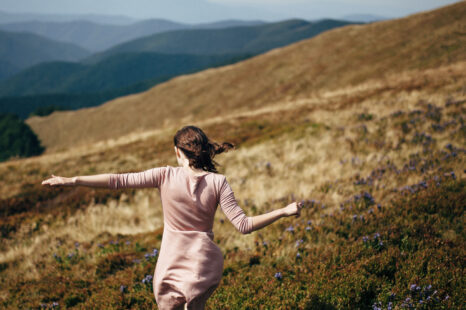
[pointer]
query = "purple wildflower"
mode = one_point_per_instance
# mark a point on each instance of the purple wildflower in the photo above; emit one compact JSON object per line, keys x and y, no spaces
{"x":122,"y":288}
{"x":298,"y":243}
{"x":278,"y":275}
{"x":290,"y":228}
{"x":147,"y":279}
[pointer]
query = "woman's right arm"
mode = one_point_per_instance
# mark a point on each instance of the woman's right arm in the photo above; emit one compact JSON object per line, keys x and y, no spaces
{"x":148,"y":178}
{"x":98,"y":180}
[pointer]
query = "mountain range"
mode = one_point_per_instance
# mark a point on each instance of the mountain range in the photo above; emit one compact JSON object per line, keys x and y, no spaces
{"x":22,"y":50}
{"x":12,"y":17}
{"x":140,"y":64}
{"x":338,"y":58}
{"x":96,"y":37}
{"x":243,"y":40}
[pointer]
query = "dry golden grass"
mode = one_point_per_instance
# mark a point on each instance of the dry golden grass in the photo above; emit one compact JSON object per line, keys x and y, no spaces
{"x":335,"y":59}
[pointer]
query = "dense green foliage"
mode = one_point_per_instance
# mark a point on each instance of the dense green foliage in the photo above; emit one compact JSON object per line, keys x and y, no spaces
{"x":235,"y":40}
{"x":46,"y":110}
{"x":17,"y":138}
{"x":22,"y":50}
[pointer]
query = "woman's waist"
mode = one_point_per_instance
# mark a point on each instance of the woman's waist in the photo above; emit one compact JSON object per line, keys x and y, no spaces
{"x":188,"y":231}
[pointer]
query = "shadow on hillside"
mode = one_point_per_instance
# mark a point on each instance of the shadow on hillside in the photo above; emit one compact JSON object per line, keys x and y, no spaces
{"x":316,"y":303}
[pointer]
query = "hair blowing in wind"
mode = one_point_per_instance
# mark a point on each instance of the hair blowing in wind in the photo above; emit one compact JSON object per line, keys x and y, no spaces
{"x":198,"y":148}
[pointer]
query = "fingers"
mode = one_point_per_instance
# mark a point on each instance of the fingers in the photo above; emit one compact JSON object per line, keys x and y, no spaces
{"x":299,"y":205}
{"x":51,"y":181}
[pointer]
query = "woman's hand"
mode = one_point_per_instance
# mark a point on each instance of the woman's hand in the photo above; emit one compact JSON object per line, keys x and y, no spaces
{"x":59,"y":181}
{"x":293,"y":209}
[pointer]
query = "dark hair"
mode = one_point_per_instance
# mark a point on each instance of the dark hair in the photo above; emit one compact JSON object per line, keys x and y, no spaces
{"x":199,"y":150}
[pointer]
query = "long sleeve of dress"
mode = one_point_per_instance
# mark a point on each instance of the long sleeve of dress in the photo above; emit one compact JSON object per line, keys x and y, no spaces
{"x":148,"y":178}
{"x":232,"y":210}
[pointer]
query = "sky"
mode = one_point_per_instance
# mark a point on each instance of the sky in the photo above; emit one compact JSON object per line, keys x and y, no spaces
{"x":197,"y":11}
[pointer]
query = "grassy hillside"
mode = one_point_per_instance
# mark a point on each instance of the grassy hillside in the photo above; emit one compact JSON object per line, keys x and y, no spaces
{"x":22,"y":50}
{"x":381,"y":170}
{"x":112,"y":73}
{"x":342,"y":57}
{"x":235,"y":40}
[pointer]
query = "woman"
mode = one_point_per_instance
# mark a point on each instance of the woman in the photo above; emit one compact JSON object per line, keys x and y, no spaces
{"x":190,"y":264}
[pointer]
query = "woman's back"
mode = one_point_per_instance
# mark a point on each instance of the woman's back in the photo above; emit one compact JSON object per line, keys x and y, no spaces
{"x":189,"y":201}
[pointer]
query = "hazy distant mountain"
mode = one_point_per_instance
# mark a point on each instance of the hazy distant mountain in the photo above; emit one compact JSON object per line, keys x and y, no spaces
{"x":228,"y":24}
{"x":8,"y":17}
{"x":74,"y":86}
{"x":363,"y":18}
{"x":22,"y":50}
{"x":114,"y":72}
{"x":235,"y":40}
{"x":93,"y":36}
{"x":173,"y":53}
{"x":98,"y":37}
{"x":7,"y":69}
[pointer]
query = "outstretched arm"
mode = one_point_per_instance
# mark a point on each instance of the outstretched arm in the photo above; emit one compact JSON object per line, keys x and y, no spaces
{"x":98,"y":180}
{"x":148,"y":178}
{"x":247,"y":224}
{"x":260,"y":221}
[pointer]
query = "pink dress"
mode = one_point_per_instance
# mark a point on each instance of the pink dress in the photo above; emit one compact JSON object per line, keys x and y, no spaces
{"x":190,"y":265}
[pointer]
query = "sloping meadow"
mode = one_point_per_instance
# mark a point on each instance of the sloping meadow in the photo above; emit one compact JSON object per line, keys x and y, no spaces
{"x":380,"y":168}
